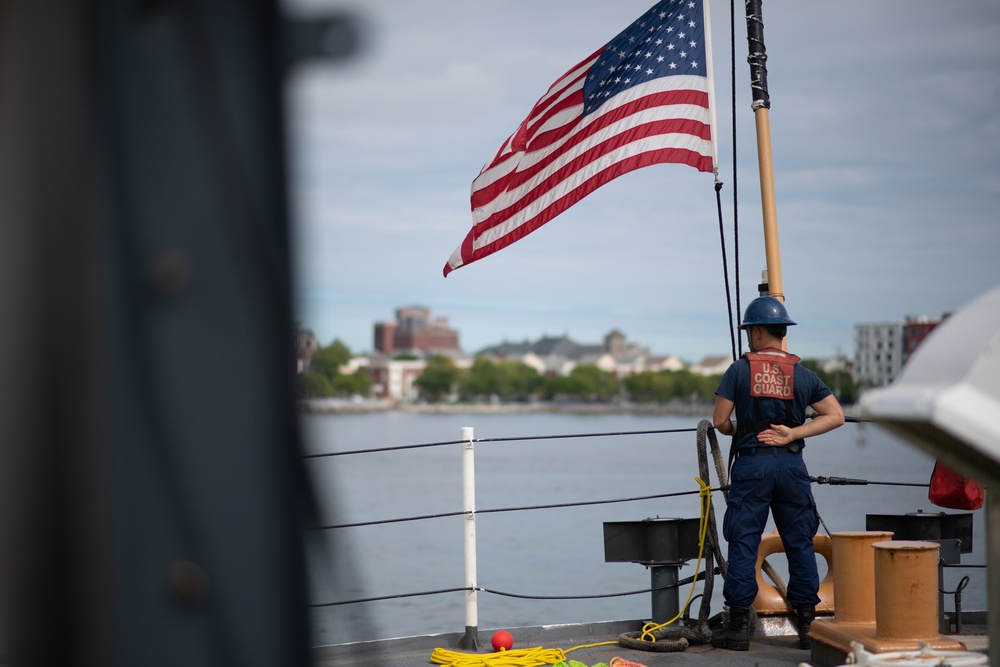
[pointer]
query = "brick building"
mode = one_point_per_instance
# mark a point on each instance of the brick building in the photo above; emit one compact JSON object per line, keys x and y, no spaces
{"x":415,"y":332}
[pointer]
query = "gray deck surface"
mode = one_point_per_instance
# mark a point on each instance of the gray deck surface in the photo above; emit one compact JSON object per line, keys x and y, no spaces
{"x":413,"y":651}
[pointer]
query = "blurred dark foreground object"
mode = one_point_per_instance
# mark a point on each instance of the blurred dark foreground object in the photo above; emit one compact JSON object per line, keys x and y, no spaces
{"x":153,"y":500}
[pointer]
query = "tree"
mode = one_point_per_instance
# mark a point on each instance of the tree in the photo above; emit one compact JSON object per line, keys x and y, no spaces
{"x":438,"y":379}
{"x":358,"y":382}
{"x":840,"y":382}
{"x":325,"y":379}
{"x":314,"y":385}
{"x":649,"y":387}
{"x":666,"y":386}
{"x":481,"y":381}
{"x":586,"y":382}
{"x":508,"y":380}
{"x":328,"y":360}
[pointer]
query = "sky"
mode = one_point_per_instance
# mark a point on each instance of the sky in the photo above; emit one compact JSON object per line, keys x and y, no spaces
{"x":885,"y":137}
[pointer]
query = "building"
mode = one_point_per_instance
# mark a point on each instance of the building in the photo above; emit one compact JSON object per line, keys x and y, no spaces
{"x":917,"y":329}
{"x":393,"y":378}
{"x":878,"y":353}
{"x":306,"y":346}
{"x":558,"y":355}
{"x":414,"y":332}
{"x":714,"y":365}
{"x":881,"y":349}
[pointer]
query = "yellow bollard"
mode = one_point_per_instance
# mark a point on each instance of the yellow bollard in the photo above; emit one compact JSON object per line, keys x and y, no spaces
{"x":854,"y":575}
{"x":906,"y":583}
{"x":886,"y":597}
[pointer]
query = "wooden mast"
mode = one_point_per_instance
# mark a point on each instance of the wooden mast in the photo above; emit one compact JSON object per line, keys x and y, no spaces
{"x":761,"y":105}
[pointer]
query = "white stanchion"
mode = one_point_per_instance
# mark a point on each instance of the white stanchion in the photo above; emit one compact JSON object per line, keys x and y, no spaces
{"x":469,"y":507}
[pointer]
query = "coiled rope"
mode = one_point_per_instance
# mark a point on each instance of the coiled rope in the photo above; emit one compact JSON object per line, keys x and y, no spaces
{"x":524,"y":657}
{"x":527,"y":657}
{"x":665,"y":637}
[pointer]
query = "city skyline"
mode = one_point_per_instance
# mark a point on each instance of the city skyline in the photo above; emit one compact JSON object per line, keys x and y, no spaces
{"x":884,"y":122}
{"x":372,"y":346}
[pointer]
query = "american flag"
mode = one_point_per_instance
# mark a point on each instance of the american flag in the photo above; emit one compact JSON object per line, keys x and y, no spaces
{"x":640,"y":100}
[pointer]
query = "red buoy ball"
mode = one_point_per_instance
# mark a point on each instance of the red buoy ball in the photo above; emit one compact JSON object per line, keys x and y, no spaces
{"x":502,"y":641}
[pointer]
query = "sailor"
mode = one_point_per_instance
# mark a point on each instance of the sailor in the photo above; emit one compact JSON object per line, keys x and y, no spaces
{"x":769,"y":391}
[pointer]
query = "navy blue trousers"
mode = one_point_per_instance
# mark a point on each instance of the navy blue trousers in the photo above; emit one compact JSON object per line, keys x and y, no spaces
{"x":779,"y":483}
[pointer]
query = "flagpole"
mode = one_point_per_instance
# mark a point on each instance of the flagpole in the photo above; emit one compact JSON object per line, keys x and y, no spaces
{"x":710,"y":70}
{"x":761,"y":105}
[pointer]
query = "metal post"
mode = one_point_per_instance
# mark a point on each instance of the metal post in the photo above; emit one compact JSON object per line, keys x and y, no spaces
{"x":666,"y":602}
{"x":761,"y":104}
{"x":992,"y":574}
{"x":471,"y":641}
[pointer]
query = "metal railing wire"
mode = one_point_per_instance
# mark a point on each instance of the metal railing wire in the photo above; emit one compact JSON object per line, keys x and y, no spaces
{"x":833,"y":481}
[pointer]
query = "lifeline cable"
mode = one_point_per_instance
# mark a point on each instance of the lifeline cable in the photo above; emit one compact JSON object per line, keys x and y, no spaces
{"x":520,"y":596}
{"x":496,"y":510}
{"x":396,"y":448}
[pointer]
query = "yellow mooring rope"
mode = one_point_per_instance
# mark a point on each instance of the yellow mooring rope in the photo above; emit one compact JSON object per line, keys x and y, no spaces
{"x":538,"y":656}
{"x":705,"y":498}
{"x":522,"y":657}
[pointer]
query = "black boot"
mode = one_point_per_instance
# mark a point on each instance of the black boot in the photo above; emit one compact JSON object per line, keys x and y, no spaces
{"x":806,"y":615}
{"x":736,"y":635}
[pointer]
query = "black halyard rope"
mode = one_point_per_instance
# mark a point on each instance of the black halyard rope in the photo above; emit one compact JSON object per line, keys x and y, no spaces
{"x":725,"y":268}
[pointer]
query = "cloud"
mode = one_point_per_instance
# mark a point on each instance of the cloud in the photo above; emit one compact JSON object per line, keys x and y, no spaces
{"x":885,"y":119}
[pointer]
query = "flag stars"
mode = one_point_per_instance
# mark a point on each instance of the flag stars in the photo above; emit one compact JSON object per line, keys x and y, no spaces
{"x":642,"y":50}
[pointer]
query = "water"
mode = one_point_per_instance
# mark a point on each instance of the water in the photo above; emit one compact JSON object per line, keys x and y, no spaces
{"x":554,"y":552}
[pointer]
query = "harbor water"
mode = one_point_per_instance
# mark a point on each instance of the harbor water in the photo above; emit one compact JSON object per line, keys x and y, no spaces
{"x":550,"y":553}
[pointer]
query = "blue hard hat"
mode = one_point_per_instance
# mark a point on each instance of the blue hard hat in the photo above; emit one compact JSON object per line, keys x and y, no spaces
{"x":765,"y":310}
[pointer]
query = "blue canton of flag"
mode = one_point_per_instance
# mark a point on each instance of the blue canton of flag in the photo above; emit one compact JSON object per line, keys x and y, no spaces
{"x":668,"y":40}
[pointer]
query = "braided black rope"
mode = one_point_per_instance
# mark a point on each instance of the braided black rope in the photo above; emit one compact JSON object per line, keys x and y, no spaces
{"x":676,"y":638}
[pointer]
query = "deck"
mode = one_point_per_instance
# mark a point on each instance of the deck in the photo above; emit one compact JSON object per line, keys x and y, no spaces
{"x":776,"y":649}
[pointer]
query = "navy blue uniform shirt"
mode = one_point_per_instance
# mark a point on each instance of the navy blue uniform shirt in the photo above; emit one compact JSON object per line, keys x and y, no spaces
{"x":735,"y":386}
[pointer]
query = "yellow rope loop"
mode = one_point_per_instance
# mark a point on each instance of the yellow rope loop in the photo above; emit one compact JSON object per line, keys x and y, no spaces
{"x":577,"y":648}
{"x":527,"y":657}
{"x":705,"y":498}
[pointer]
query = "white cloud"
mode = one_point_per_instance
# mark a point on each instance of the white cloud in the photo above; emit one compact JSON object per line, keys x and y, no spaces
{"x":885,"y":120}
